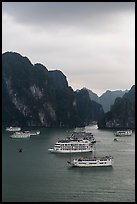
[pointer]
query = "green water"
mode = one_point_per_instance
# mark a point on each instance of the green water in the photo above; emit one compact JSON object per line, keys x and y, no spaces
{"x":36,"y":175}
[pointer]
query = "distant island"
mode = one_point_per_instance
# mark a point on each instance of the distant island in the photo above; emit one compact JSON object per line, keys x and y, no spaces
{"x":106,"y":99}
{"x":34,"y":96}
{"x":121,"y":114}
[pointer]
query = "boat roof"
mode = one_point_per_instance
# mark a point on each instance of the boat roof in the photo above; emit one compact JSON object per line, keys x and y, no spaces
{"x":94,"y":158}
{"x":123,"y":130}
{"x":73,"y":141}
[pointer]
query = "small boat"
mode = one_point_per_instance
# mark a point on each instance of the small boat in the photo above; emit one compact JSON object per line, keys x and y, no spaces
{"x":20,"y":150}
{"x":123,"y":133}
{"x":104,"y":161}
{"x":14,"y":129}
{"x":115,"y":139}
{"x":37,"y":132}
{"x":18,"y":135}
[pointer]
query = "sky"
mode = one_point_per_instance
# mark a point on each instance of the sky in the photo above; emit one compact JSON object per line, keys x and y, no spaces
{"x":92,"y":43}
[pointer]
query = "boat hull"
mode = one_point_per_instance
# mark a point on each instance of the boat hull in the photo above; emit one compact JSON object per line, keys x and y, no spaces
{"x":122,"y":135}
{"x":19,"y":137}
{"x":68,"y":151}
{"x":91,"y":165}
{"x":33,"y":133}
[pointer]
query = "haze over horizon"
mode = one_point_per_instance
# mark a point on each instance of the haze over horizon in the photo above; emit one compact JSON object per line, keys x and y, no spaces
{"x":92,"y":43}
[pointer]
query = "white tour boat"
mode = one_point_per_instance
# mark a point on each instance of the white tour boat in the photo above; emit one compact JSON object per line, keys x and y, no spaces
{"x":92,"y":162}
{"x":20,"y":135}
{"x":14,"y":129}
{"x":72,"y":146}
{"x":123,"y":133}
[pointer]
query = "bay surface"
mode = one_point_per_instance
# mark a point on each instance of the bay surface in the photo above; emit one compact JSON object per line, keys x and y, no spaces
{"x":36,"y":175}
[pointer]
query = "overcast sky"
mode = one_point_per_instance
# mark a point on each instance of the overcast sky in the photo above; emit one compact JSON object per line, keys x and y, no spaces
{"x":92,"y":43}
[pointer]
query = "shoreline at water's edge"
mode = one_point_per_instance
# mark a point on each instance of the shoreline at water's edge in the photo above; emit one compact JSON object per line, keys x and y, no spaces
{"x":112,"y":128}
{"x":100,"y":128}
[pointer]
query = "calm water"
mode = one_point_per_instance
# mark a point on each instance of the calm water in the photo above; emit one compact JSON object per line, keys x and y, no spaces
{"x":37,"y":175}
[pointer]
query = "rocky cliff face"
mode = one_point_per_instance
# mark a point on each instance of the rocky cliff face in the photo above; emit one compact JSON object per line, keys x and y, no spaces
{"x":34,"y":96}
{"x":122,"y":113}
{"x":89,"y":110}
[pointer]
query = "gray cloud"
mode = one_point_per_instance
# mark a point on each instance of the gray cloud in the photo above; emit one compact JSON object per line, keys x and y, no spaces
{"x":92,"y":43}
{"x":91,"y":16}
{"x":61,"y":11}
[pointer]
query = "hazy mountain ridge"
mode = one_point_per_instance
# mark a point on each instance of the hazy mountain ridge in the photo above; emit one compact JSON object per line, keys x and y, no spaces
{"x":106,"y":99}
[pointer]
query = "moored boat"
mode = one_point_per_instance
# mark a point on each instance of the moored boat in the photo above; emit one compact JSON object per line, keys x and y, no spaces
{"x":123,"y":133}
{"x":14,"y":129}
{"x":36,"y":132}
{"x":104,"y":161}
{"x":71,"y":146}
{"x":17,"y":135}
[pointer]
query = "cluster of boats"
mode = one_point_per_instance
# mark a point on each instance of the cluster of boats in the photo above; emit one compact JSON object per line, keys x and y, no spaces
{"x":21,"y":134}
{"x":77,"y":142}
{"x":81,"y":142}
